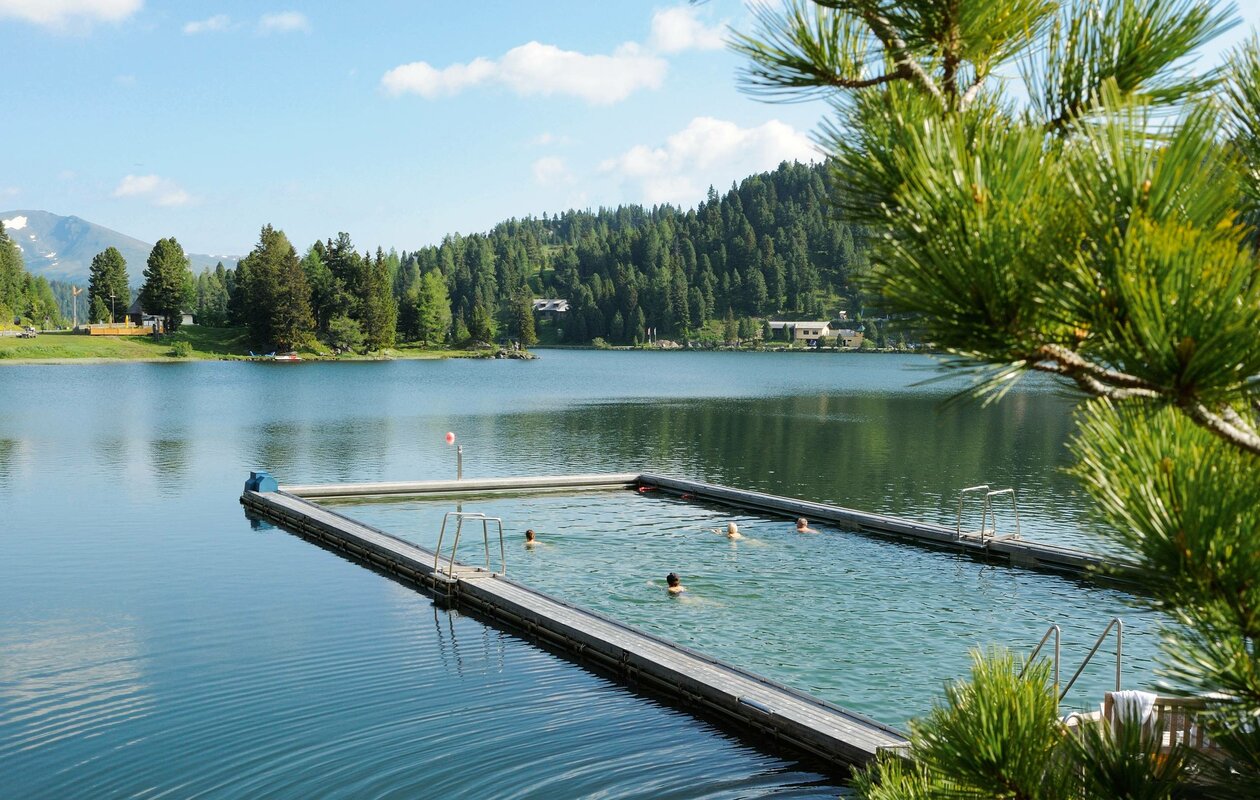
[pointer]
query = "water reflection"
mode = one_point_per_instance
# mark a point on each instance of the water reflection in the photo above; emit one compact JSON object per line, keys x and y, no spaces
{"x":68,"y":679}
{"x":168,"y":459}
{"x":10,"y":460}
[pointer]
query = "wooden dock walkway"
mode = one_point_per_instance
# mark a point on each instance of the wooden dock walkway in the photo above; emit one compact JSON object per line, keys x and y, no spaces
{"x":757,"y":706}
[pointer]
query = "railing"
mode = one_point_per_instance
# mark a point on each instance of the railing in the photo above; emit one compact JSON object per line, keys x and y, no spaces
{"x":1116,"y":623}
{"x":1058,"y":641}
{"x":962,"y":496}
{"x":1054,"y":630}
{"x":987,"y":512}
{"x":992,"y":512}
{"x":474,"y":516}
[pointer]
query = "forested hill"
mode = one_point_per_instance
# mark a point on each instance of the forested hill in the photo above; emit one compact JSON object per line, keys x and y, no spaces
{"x":767,"y":247}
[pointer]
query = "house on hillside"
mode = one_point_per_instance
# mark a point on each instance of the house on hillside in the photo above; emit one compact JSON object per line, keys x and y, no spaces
{"x":847,"y":337}
{"x":803,"y":331}
{"x":550,"y":308}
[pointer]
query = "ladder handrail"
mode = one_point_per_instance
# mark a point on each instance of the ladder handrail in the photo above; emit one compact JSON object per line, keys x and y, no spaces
{"x":1116,"y":623}
{"x":962,"y":495}
{"x":460,"y":516}
{"x":991,"y":512}
{"x":1057,"y":650}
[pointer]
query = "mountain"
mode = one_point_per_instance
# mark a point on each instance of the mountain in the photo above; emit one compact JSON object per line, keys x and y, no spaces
{"x":61,"y":248}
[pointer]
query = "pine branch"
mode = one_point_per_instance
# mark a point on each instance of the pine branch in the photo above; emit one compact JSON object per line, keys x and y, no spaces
{"x":972,"y":92}
{"x":1243,"y":438}
{"x":884,"y":31}
{"x":1112,"y":384}
{"x":1072,"y":364}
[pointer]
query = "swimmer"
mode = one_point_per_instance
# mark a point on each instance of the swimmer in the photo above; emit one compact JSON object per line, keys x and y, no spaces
{"x":674,"y":584}
{"x":732,"y":531}
{"x":530,"y":541}
{"x":802,"y":526}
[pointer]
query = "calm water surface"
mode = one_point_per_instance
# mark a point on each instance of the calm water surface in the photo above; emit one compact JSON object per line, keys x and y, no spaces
{"x":153,"y":644}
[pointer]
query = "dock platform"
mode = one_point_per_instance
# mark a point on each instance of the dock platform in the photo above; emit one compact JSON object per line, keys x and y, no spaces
{"x":755,"y":705}
{"x":750,"y":703}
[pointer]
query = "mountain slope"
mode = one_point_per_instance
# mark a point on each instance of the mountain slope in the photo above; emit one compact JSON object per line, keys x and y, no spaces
{"x":61,"y":248}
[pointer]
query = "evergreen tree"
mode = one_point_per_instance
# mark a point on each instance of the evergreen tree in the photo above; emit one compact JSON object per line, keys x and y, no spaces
{"x":277,"y":298}
{"x":98,"y":310}
{"x":344,"y":334}
{"x":459,"y":331}
{"x":12,"y":279}
{"x":481,"y":325}
{"x":433,"y":309}
{"x":378,"y":311}
{"x":168,"y":284}
{"x":521,"y":320}
{"x":107,"y":280}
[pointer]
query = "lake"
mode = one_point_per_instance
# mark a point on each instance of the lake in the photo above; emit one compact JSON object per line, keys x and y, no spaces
{"x":152,"y":643}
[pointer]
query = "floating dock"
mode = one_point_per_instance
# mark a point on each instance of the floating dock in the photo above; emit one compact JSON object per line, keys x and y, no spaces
{"x":749,"y":702}
{"x":746,"y":701}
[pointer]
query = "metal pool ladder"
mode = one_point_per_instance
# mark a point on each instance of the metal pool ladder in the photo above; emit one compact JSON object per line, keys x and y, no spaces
{"x":450,"y":569}
{"x":988,"y":514}
{"x":1054,"y":631}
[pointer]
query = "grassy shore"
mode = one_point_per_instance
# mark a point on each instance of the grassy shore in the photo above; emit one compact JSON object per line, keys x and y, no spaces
{"x":202,"y":344}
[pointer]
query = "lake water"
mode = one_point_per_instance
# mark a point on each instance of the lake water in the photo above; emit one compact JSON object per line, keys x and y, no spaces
{"x":153,"y":644}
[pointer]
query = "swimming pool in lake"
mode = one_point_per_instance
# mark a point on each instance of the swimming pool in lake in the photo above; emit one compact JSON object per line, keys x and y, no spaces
{"x":873,"y":625}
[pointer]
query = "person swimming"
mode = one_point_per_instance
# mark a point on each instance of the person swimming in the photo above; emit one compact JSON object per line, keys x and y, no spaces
{"x":732,"y":531}
{"x":530,"y":541}
{"x":802,"y":526}
{"x":674,"y":584}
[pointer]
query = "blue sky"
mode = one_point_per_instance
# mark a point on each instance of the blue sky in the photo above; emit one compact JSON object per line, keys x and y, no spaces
{"x":397,"y":121}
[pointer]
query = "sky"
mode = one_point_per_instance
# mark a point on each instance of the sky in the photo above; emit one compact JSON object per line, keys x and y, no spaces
{"x":397,"y":121}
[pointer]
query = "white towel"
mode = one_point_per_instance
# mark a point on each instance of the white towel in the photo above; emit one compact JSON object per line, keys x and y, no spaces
{"x":1133,"y":704}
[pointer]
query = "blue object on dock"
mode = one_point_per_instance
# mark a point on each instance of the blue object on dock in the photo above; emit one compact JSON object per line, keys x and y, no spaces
{"x":261,"y":482}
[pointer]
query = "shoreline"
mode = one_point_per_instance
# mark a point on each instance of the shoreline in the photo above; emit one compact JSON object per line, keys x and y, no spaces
{"x":436,"y":355}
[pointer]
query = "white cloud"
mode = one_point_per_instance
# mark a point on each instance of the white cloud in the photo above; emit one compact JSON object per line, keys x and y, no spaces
{"x":62,"y":13}
{"x":677,"y":29}
{"x":219,"y":22}
{"x":15,"y":224}
{"x":125,"y":80}
{"x":9,"y":191}
{"x":552,"y":171}
{"x":284,"y":22}
{"x":420,"y":78}
{"x":537,"y":69}
{"x":157,"y":190}
{"x":708,"y":152}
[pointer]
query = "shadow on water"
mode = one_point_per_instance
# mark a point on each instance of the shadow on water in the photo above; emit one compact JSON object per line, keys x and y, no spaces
{"x":491,"y":650}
